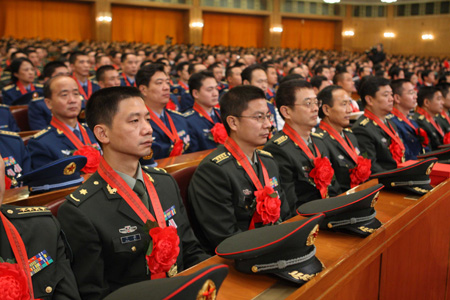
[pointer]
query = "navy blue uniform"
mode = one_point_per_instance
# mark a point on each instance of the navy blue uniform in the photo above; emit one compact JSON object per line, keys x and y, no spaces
{"x":15,"y":156}
{"x":7,"y":121}
{"x":163,"y":141}
{"x":435,"y":138}
{"x":95,"y":87}
{"x":413,"y":145}
{"x":186,"y":101}
{"x":39,"y":116}
{"x":51,"y":144}
{"x":124,"y":83}
{"x":12,"y":92}
{"x":200,"y":130}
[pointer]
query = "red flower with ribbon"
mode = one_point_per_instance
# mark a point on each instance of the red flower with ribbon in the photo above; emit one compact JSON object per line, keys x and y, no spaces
{"x":165,"y":249}
{"x":268,"y":205}
{"x":322,"y":174}
{"x":396,"y":152}
{"x":177,"y":148}
{"x":447,"y":138}
{"x":170,"y":105}
{"x":360,"y":172}
{"x":93,"y":158}
{"x":219,"y":133}
{"x":423,"y":137}
{"x":13,"y":282}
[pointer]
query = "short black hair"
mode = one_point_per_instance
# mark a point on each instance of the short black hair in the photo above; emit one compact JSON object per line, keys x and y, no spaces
{"x":191,"y":68}
{"x":292,"y":77}
{"x":15,"y":66}
{"x":444,"y":87}
{"x":100,"y":73}
{"x":125,"y":55}
{"x":397,"y":86}
{"x":316,"y":81}
{"x":50,"y":68}
{"x":326,"y":96}
{"x":145,"y":74}
{"x":425,"y":73}
{"x":181,"y":66}
{"x":286,"y":92}
{"x":104,"y":103}
{"x":394,"y":71}
{"x":426,"y":92}
{"x":247,"y":72}
{"x":74,"y":55}
{"x":236,"y":100}
{"x":196,"y":80}
{"x":229,"y":69}
{"x":370,"y":86}
{"x":48,"y":84}
{"x":339,"y":77}
{"x":319,"y":69}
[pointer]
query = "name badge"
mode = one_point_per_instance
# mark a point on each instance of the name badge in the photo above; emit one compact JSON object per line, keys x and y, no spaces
{"x":130,"y":238}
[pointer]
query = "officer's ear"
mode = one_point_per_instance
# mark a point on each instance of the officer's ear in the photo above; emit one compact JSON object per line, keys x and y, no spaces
{"x":285,"y":111}
{"x":369,"y":100}
{"x":397,"y":99}
{"x":426,"y":103}
{"x":233,"y":122}
{"x":143,"y":89}
{"x":195,"y":94}
{"x":48,"y":102}
{"x":245,"y":82}
{"x":101,"y":133}
{"x":326,"y":109}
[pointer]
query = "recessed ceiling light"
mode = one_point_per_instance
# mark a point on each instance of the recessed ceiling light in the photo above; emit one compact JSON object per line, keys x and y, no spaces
{"x":331,"y":1}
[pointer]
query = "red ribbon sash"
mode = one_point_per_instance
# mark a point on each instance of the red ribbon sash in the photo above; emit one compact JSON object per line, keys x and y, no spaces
{"x":183,"y":85}
{"x":172,"y":133}
{"x":404,"y":118}
{"x":348,"y":146}
{"x":19,"y":250}
{"x":391,"y":132}
{"x":116,"y":182}
{"x":69,"y":133}
{"x":22,"y":88}
{"x":293,"y":135}
{"x":126,"y":80}
{"x":81,"y":90}
{"x":445,"y":115}
{"x":203,"y":112}
{"x":430,"y":119}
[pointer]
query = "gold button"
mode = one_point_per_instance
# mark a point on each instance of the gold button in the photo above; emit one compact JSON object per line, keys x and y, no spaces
{"x":9,"y":211}
{"x":254,"y":269}
{"x":48,"y":289}
{"x":96,"y":182}
{"x":133,"y":249}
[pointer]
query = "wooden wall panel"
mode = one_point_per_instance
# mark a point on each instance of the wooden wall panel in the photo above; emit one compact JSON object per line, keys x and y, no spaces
{"x":308,"y":34}
{"x":147,"y":25}
{"x":233,"y":30}
{"x":46,"y":19}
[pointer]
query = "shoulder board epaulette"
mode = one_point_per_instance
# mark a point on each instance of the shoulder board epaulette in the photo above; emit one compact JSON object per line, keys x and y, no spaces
{"x":39,"y":85}
{"x":14,"y":212}
{"x":154,"y":169}
{"x":92,"y":78}
{"x":265,"y":153}
{"x":37,"y":99}
{"x":4,"y":105}
{"x":348,"y":129}
{"x":188,"y":113}
{"x":94,"y":81}
{"x":41,"y":132}
{"x":317,"y":134}
{"x":219,"y":159}
{"x":281,"y":139}
{"x":421,"y":117}
{"x":8,"y":87}
{"x":225,"y":90}
{"x":390,"y":116}
{"x":175,"y":112}
{"x":9,"y":133}
{"x":364,"y":122}
{"x":89,"y":188}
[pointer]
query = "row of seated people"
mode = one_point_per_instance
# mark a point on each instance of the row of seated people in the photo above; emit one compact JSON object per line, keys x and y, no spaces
{"x":235,"y":188}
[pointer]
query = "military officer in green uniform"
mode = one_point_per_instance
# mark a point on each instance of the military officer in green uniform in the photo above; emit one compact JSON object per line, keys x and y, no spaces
{"x":105,"y":220}
{"x":301,"y":155}
{"x":39,"y":233}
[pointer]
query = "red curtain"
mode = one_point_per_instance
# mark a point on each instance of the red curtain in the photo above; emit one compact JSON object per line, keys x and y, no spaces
{"x":147,"y":25}
{"x":46,"y":19}
{"x":308,"y":34}
{"x":233,"y":30}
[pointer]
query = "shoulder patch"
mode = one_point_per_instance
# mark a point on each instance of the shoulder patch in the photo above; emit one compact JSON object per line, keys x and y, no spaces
{"x":317,"y":134}
{"x":175,"y":112}
{"x":188,"y":113}
{"x":221,"y":157}
{"x":364,"y":122}
{"x":421,"y":117}
{"x":8,"y":87}
{"x":390,"y":116}
{"x":25,"y":211}
{"x":37,"y":99}
{"x":86,"y":190}
{"x":9,"y":133}
{"x":348,"y":129}
{"x":265,"y":153}
{"x":154,"y":169}
{"x":43,"y":131}
{"x":281,"y":139}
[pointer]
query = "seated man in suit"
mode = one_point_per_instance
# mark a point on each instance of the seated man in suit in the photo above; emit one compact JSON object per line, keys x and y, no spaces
{"x":377,"y":136}
{"x":231,"y":184}
{"x":303,"y":158}
{"x":107,"y":220}
{"x":65,"y":135}
{"x":37,"y":233}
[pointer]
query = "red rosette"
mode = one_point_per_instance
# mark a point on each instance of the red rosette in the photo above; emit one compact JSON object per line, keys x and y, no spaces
{"x":165,"y":249}
{"x":7,"y":183}
{"x":322,"y":174}
{"x":170,"y":105}
{"x":219,"y":133}
{"x":447,"y":138}
{"x":268,"y":205}
{"x":13,"y":282}
{"x":93,"y":158}
{"x":396,"y":152}
{"x":423,"y":137}
{"x":177,"y":148}
{"x":361,"y":172}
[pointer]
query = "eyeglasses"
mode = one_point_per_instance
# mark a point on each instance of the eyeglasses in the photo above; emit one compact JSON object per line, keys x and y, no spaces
{"x":309,"y":103}
{"x":260,"y":118}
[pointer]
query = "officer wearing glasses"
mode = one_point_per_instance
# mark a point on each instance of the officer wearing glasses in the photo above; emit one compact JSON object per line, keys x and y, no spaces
{"x":298,"y":151}
{"x":222,"y":191}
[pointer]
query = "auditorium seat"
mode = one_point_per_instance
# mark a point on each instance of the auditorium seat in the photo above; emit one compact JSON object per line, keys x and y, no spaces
{"x":54,"y":206}
{"x":20,"y":114}
{"x":183,"y":178}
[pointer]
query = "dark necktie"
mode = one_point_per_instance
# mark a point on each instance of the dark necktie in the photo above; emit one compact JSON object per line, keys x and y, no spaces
{"x":78,"y":134}
{"x":163,"y":119}
{"x":214,"y":117}
{"x":139,"y":188}
{"x":85,"y":88}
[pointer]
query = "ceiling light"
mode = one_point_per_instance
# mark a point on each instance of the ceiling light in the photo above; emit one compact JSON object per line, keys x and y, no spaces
{"x":276,"y":29}
{"x":331,"y":1}
{"x":348,"y":33}
{"x":389,"y":35}
{"x":427,"y":37}
{"x":388,"y":1}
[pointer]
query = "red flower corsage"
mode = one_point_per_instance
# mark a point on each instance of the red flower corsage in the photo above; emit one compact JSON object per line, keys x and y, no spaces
{"x":164,"y":250}
{"x":93,"y":158}
{"x":268,"y":205}
{"x":13,"y":282}
{"x":322,"y":174}
{"x":360,"y":172}
{"x":219,"y":133}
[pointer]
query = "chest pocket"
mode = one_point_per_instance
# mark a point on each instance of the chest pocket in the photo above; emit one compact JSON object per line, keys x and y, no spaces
{"x":46,"y":281}
{"x":135,"y":242}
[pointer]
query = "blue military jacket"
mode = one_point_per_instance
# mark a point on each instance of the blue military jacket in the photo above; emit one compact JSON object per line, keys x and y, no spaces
{"x":200,"y":130}
{"x":12,"y":92}
{"x":15,"y":156}
{"x":7,"y":121}
{"x":409,"y":137}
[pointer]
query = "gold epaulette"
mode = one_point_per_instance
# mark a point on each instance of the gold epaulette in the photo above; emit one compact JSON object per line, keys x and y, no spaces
{"x":281,"y":139}
{"x":189,"y":113}
{"x":4,"y":105}
{"x":176,"y":112}
{"x":9,"y":133}
{"x":264,"y":152}
{"x":41,"y":132}
{"x":25,"y":211}
{"x":37,"y":99}
{"x":317,"y":134}
{"x":8,"y":87}
{"x":221,"y":157}
{"x":364,"y":122}
{"x":39,"y":85}
{"x":348,"y":129}
{"x":421,"y":117}
{"x":390,"y":116}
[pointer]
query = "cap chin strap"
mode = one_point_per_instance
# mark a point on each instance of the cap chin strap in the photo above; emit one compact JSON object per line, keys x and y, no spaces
{"x":47,"y":187}
{"x":351,"y":221}
{"x":411,"y":183}
{"x":282,"y":264}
